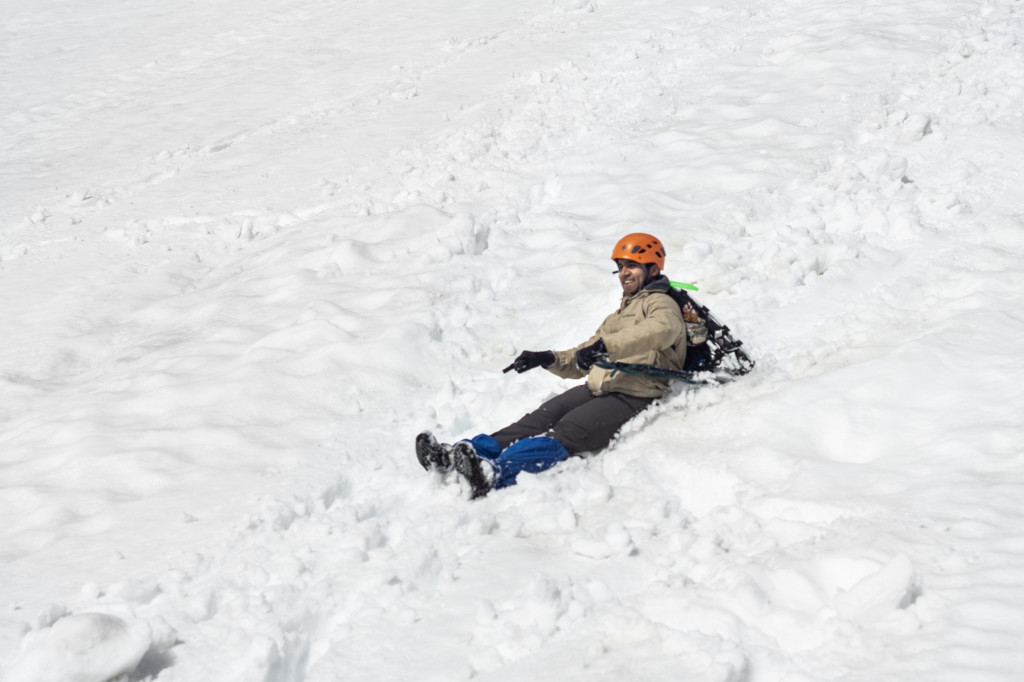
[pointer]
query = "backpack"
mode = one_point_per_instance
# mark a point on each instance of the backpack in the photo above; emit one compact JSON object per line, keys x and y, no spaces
{"x":709,"y":345}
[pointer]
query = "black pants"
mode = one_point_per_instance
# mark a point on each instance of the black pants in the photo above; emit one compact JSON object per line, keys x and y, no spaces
{"x":579,"y":420}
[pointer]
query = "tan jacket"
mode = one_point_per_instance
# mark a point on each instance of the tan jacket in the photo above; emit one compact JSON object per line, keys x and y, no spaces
{"x":647,"y":329}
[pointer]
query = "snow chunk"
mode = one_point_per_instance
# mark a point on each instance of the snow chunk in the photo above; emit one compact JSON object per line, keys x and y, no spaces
{"x":893,"y":586}
{"x":85,"y":647}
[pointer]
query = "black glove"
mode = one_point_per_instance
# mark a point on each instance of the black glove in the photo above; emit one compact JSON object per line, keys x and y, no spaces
{"x":529,"y":359}
{"x":586,"y":356}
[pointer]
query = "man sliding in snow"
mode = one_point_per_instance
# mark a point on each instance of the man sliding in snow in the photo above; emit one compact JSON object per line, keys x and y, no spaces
{"x":647,"y":328}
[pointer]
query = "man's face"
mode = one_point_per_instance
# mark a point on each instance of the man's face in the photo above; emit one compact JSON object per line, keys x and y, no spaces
{"x":631,"y":276}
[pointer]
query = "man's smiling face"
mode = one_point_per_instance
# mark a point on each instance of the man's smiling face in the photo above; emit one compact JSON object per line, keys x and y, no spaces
{"x":631,"y":276}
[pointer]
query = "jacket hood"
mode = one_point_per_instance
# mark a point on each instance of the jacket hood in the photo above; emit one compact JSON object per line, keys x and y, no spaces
{"x":659,"y":283}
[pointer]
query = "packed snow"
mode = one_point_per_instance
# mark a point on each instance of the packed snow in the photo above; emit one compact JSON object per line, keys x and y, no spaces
{"x":250,"y":248}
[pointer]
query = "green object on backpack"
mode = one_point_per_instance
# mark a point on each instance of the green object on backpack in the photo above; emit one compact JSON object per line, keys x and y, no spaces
{"x":683,"y":285}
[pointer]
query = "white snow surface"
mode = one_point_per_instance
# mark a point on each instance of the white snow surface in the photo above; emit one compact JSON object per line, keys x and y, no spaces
{"x":249,"y":248}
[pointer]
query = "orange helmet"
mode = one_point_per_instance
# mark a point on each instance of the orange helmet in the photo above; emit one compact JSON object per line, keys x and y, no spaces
{"x":641,"y":248}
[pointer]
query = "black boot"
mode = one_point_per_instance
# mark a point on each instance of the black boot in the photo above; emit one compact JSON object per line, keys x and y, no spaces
{"x":478,"y":474}
{"x":433,"y":456}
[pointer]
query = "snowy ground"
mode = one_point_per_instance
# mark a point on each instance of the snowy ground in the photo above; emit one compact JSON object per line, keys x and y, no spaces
{"x":248,"y":249}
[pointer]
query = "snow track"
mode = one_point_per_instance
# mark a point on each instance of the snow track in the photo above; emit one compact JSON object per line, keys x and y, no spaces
{"x":248,"y":251}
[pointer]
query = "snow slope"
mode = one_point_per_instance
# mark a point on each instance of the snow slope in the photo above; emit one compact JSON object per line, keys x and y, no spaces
{"x":249,"y":249}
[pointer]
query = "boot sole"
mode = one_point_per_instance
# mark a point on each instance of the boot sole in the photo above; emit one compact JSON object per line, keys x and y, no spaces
{"x":430,"y":454}
{"x":469,"y":466}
